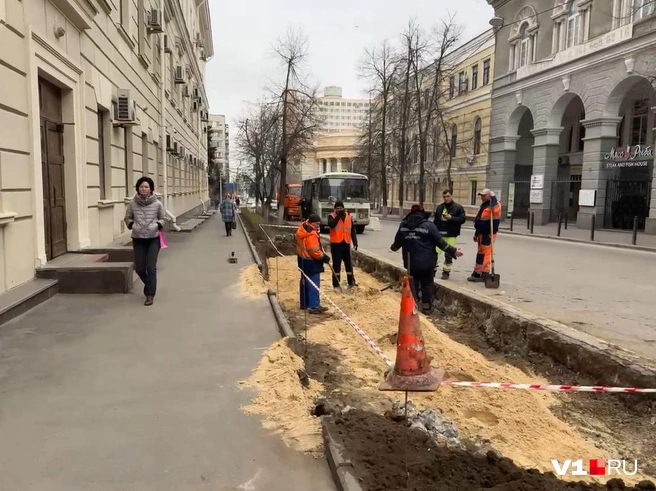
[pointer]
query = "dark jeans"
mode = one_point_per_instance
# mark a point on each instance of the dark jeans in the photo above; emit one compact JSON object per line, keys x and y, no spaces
{"x":422,"y":281}
{"x":342,"y":252}
{"x":145,"y":263}
{"x":228,"y":227}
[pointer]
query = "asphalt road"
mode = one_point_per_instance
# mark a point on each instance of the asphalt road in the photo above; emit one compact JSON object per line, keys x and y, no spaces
{"x":607,"y":292}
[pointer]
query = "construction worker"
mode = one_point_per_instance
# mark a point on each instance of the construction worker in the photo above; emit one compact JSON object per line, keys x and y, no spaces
{"x":311,"y":259}
{"x":342,"y":235}
{"x":485,"y":234}
{"x":449,"y":217}
{"x":419,"y":239}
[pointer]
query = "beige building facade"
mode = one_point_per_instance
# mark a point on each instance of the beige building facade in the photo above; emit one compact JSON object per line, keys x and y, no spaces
{"x":467,"y":104}
{"x":96,"y":93}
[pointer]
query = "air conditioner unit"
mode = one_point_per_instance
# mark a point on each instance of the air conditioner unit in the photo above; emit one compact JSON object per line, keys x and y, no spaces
{"x":564,"y":160}
{"x":194,"y":106}
{"x":169,"y":143}
{"x":175,"y":149}
{"x":155,"y":21}
{"x":185,"y":91}
{"x":124,"y":109}
{"x":178,"y":76}
{"x":167,"y":44}
{"x":182,"y":152}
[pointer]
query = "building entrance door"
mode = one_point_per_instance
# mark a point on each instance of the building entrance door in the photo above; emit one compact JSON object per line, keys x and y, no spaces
{"x":52,"y":167}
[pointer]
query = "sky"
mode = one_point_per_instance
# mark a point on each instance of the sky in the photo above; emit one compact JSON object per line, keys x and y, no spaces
{"x":338,"y":32}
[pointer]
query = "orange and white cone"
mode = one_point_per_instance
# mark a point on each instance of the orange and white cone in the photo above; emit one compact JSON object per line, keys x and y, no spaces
{"x":412,"y":371}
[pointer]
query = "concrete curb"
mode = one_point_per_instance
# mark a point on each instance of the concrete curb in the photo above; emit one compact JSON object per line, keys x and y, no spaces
{"x":254,"y":253}
{"x":511,"y":329}
{"x":340,"y":466}
{"x":281,"y":319}
{"x":564,"y":239}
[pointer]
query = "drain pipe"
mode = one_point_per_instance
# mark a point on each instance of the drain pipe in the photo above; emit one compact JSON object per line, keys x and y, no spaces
{"x":202,"y":206}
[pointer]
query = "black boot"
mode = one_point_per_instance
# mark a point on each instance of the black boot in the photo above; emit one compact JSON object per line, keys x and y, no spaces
{"x":149,"y":300}
{"x":445,"y":275}
{"x":476,"y":278}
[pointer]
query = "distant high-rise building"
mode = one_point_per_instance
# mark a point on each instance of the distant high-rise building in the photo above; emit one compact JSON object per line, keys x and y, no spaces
{"x":342,"y":115}
{"x":219,"y":145}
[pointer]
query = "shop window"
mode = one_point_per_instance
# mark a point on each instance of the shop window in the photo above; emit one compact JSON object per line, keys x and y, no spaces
{"x":639,"y":122}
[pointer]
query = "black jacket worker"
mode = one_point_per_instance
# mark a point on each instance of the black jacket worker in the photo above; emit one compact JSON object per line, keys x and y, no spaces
{"x":418,"y":238}
{"x":342,"y":235}
{"x":449,"y":217}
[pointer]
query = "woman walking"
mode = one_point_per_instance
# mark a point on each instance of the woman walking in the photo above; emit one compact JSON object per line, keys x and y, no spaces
{"x":228,"y":212}
{"x":145,"y":217}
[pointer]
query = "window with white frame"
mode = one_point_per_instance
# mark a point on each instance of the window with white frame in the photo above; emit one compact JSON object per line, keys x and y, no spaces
{"x":622,"y":12}
{"x":571,"y":24}
{"x":643,"y":9}
{"x":522,"y":49}
{"x":572,"y":32}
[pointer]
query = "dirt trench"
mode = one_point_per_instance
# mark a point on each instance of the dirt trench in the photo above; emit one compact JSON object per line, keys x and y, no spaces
{"x":529,"y":428}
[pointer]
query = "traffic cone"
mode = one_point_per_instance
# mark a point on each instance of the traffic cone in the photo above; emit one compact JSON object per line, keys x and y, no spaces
{"x":412,"y":371}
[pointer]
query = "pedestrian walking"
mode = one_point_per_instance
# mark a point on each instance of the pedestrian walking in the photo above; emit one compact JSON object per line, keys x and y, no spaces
{"x":228,"y":214}
{"x":449,"y":217}
{"x":485,"y":234}
{"x":311,"y":259}
{"x":342,"y":236}
{"x":418,"y":238}
{"x":237,"y":201}
{"x":145,"y":218}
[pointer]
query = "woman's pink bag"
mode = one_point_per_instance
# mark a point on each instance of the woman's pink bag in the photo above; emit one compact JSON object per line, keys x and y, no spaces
{"x":162,"y":240}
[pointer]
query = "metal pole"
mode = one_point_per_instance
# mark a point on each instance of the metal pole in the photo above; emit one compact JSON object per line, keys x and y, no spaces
{"x":560,"y":222}
{"x":512,"y":219}
{"x":593,"y":222}
{"x":532,"y":215}
{"x":566,"y":219}
{"x":528,"y":220}
{"x":634,"y":237}
{"x":162,"y":114}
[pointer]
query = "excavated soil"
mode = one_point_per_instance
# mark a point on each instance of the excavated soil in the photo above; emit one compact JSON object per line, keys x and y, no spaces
{"x":531,"y":428}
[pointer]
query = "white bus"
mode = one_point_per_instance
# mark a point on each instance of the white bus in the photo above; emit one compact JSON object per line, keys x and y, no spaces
{"x":324,"y":190}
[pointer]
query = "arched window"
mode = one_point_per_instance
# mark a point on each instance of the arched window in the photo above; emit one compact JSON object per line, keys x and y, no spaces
{"x":454,"y":139}
{"x":477,"y":136}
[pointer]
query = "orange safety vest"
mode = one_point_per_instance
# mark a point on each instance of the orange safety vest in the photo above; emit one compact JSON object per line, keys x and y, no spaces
{"x":342,"y":231}
{"x":308,"y":244}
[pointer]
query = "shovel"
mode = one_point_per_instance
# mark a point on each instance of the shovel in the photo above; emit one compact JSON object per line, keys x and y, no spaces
{"x":341,"y":287}
{"x":492,"y":280}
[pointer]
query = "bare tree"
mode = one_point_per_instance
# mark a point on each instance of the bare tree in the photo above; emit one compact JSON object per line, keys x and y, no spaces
{"x":299,"y":117}
{"x":379,"y":66}
{"x":429,"y":72}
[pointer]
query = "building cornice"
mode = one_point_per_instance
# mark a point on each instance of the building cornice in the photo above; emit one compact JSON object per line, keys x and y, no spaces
{"x":630,"y":47}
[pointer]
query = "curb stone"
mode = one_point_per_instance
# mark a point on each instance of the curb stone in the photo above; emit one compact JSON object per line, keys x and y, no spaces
{"x":510,"y":329}
{"x":340,"y":466}
{"x":254,"y":253}
{"x":505,"y":231}
{"x":283,"y":324}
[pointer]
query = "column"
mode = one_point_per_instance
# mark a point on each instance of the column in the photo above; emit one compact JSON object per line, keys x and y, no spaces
{"x":339,"y":165}
{"x":545,"y":164}
{"x":650,"y":223}
{"x":501,"y":169}
{"x":600,"y":137}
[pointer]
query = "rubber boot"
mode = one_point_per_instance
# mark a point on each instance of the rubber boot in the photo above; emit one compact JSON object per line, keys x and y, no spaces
{"x":476,"y":278}
{"x":445,"y":275}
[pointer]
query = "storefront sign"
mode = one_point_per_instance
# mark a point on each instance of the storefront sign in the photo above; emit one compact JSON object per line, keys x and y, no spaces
{"x":537,"y":181}
{"x":629,"y":157}
{"x":536,"y":196}
{"x":587,"y":197}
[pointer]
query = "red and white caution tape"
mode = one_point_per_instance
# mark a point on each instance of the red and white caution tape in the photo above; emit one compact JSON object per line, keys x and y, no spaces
{"x":549,"y":388}
{"x":348,"y":320}
{"x":485,"y":385}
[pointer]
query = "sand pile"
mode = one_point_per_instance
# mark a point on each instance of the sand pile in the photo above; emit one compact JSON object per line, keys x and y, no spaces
{"x":519,"y":424}
{"x":252,"y":283}
{"x":283,"y":403}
